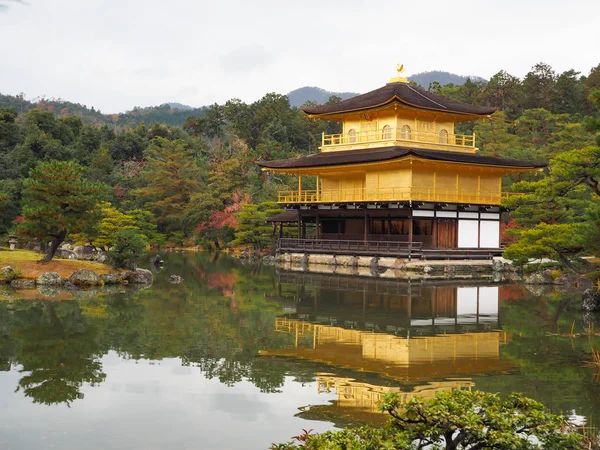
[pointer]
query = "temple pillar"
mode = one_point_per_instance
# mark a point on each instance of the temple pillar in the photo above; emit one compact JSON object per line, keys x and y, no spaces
{"x":317,"y":225}
{"x":410,"y":236}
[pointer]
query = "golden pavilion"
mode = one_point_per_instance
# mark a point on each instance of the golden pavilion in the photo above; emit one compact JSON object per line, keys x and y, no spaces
{"x":397,"y":180}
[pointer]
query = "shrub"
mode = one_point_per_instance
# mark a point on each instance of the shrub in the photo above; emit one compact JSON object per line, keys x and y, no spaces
{"x":457,"y":420}
{"x":128,"y":250}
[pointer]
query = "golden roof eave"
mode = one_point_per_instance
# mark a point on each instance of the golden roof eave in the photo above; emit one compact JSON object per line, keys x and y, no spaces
{"x":409,"y":159}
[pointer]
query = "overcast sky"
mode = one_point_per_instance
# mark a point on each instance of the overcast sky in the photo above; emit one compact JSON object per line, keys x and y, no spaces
{"x":117,"y":54}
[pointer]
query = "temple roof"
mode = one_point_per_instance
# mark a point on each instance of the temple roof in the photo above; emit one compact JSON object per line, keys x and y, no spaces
{"x":370,"y":155}
{"x":285,"y":217}
{"x":402,"y":93}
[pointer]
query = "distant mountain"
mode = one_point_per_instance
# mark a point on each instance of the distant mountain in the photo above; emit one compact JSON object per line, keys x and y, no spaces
{"x":180,"y":106}
{"x":169,"y":113}
{"x":423,"y":79}
{"x":299,"y":97}
{"x":174,"y":113}
{"x":305,"y":94}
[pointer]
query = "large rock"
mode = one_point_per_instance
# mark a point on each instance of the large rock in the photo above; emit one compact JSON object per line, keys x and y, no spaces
{"x":534,"y":278}
{"x":84,"y":252}
{"x":110,"y":278}
{"x":574,"y":280}
{"x":140,"y":276}
{"x":548,"y":276}
{"x":49,"y":279}
{"x":497,"y":265}
{"x":175,"y":279}
{"x":100,"y":256}
{"x":590,"y":301}
{"x":8,"y":273}
{"x":66,"y":246}
{"x":33,"y":245}
{"x":66,"y":254}
{"x":85,"y":277}
{"x":23,"y":284}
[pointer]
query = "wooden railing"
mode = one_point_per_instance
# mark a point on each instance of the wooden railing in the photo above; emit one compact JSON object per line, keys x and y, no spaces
{"x":395,"y":248}
{"x":391,"y":195}
{"x":397,"y":134}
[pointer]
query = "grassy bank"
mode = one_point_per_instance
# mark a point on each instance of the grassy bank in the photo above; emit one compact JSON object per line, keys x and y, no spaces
{"x":26,"y":264}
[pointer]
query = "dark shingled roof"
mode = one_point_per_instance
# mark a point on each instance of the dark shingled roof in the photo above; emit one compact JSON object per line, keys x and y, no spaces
{"x":403,"y":93}
{"x":348,"y":157}
{"x":285,"y":216}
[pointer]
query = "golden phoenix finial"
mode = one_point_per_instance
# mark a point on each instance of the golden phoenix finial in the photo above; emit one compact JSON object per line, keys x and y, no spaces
{"x":399,"y":78}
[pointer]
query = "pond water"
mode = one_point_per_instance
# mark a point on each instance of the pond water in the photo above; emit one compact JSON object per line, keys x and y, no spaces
{"x":240,"y":356}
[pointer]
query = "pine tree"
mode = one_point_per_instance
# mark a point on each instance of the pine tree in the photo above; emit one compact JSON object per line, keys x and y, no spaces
{"x":252,"y":227}
{"x":57,"y":201}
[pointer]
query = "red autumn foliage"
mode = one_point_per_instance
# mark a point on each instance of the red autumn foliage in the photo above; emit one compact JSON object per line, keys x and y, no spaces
{"x":504,"y":239}
{"x":119,"y":191}
{"x":225,"y":218}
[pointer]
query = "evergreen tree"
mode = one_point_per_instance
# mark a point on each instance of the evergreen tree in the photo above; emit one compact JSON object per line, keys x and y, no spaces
{"x":170,"y":178}
{"x":253,"y":228}
{"x":57,"y":201}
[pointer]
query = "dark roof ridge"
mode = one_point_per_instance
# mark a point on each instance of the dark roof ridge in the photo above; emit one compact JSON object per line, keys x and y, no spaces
{"x":403,"y":93}
{"x":348,"y":157}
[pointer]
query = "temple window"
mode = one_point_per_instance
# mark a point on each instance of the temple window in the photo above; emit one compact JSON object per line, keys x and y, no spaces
{"x":423,"y":227}
{"x":443,"y":137}
{"x":352,"y":135}
{"x":399,"y":226}
{"x":379,"y":226}
{"x":386,"y":132}
{"x":405,"y":133}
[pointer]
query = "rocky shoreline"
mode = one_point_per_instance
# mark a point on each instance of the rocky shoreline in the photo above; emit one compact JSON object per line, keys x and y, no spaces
{"x":50,"y":284}
{"x":497,"y":269}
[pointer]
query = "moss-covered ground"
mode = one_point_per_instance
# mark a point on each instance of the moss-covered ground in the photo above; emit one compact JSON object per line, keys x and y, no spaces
{"x":26,"y":264}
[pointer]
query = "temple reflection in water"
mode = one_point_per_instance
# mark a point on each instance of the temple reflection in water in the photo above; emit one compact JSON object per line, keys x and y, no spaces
{"x":418,"y":339}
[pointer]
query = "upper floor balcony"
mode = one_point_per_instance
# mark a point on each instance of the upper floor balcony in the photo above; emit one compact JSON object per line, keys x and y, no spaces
{"x":404,"y":137}
{"x":393,"y":195}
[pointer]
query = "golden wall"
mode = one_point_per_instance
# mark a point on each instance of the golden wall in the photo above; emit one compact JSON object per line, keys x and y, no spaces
{"x":441,"y":180}
{"x":416,"y":121}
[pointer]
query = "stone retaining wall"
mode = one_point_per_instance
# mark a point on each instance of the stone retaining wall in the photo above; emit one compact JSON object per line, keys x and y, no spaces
{"x":388,"y":267}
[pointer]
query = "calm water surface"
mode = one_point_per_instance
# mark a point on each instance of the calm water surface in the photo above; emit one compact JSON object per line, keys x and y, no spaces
{"x":238,"y":357}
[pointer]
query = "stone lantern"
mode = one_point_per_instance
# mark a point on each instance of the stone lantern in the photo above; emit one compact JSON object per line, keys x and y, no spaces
{"x":12,"y":241}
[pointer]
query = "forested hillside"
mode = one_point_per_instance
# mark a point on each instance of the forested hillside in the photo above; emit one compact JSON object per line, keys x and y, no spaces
{"x":167,"y":113}
{"x":424,"y":79}
{"x":173,"y":113}
{"x":188,"y":184}
{"x":299,"y":97}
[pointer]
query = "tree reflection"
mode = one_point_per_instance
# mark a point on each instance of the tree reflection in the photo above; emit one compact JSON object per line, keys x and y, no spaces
{"x":223,"y":315}
{"x":552,"y":365}
{"x":57,"y":351}
{"x":217,"y":321}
